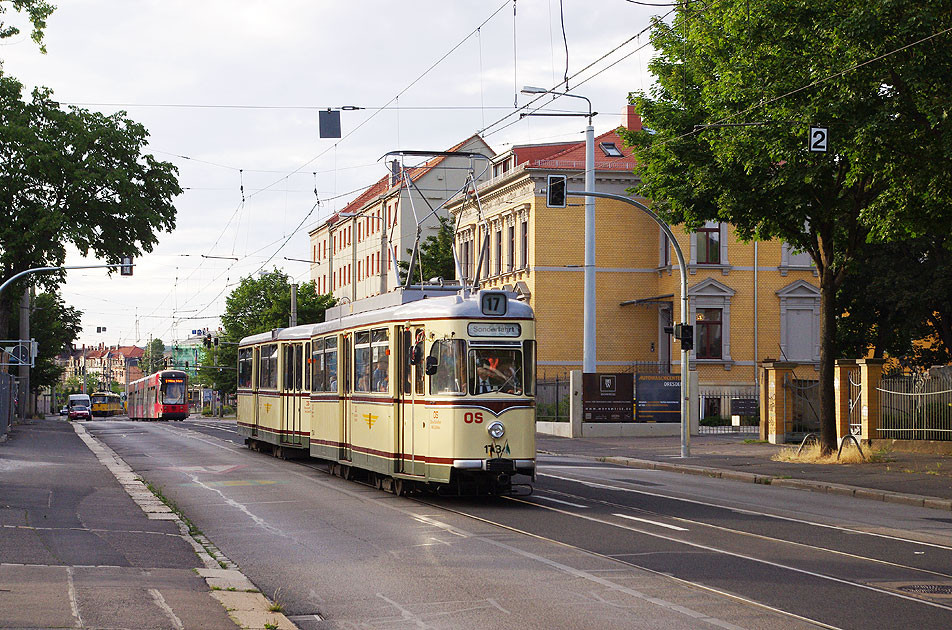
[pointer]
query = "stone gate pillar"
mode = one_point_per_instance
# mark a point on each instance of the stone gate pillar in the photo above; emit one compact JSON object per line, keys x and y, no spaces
{"x":871,"y":376}
{"x":841,"y":394}
{"x":776,"y":403}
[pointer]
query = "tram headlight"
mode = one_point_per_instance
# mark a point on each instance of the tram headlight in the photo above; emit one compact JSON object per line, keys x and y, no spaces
{"x":496,"y":430}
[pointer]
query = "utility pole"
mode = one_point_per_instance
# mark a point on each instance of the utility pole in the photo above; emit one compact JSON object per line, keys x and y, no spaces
{"x":24,"y":370}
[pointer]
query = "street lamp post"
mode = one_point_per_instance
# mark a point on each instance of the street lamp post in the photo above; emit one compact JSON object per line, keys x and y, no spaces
{"x":588,"y":302}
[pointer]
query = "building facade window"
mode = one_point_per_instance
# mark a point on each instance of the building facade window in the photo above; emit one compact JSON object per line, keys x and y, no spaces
{"x":498,"y":251}
{"x":708,"y":333}
{"x":525,"y":243}
{"x":709,"y":244}
{"x":511,"y":258}
{"x":711,"y":314}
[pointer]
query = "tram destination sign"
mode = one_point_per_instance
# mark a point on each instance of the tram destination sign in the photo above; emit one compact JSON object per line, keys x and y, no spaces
{"x":658,"y":398}
{"x":607,"y":397}
{"x":493,"y":329}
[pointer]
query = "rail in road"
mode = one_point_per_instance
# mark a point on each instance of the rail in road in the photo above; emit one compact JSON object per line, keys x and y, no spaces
{"x":611,"y":543}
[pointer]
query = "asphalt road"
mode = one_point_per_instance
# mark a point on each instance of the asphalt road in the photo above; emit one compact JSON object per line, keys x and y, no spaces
{"x":595,"y":546}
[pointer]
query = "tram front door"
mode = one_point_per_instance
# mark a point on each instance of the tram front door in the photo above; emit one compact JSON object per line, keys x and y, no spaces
{"x":293,"y":394}
{"x":345,"y":380}
{"x":411,"y":409}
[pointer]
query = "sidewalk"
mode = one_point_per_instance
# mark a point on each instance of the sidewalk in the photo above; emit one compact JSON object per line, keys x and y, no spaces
{"x":920,"y":479}
{"x":84,"y":544}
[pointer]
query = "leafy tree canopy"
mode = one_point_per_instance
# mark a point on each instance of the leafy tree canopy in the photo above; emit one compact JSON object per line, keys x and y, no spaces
{"x":55,"y":326}
{"x":259,"y":304}
{"x":75,"y":177}
{"x":36,"y":10}
{"x":897,"y":300}
{"x":738,"y":86}
{"x":435,"y":255}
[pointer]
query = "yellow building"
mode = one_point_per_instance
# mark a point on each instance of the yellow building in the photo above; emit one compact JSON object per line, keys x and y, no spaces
{"x":747,"y":301}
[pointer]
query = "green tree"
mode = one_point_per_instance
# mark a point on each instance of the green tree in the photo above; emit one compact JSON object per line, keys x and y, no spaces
{"x":258,"y":304}
{"x":36,"y":10}
{"x":74,"y":177}
{"x":897,"y":296}
{"x":55,"y":326}
{"x":435,"y":256}
{"x":738,"y":86}
{"x":153,"y":359}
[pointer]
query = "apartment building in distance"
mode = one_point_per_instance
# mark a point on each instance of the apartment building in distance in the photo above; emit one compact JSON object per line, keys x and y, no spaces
{"x":353,"y":251}
{"x":748,"y":301}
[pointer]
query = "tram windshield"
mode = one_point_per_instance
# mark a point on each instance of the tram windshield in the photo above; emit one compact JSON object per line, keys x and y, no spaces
{"x":450,"y":375}
{"x":173,"y":391}
{"x":495,"y":370}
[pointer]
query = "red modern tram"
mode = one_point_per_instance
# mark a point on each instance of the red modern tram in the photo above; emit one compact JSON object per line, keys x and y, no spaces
{"x":159,"y":396}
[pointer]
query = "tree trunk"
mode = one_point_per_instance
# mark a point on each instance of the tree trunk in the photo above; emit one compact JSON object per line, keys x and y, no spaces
{"x":827,"y":346}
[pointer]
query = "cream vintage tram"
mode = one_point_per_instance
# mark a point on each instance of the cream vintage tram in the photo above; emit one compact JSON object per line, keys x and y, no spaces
{"x":413,"y":389}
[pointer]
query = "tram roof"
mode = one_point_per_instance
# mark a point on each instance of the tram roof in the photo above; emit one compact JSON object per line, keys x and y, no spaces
{"x":420,"y":307}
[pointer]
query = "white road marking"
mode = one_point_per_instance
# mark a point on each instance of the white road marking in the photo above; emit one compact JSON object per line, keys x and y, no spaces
{"x":605,"y":486}
{"x":543,"y":498}
{"x":73,"y":602}
{"x":161,"y":603}
{"x":644,"y":520}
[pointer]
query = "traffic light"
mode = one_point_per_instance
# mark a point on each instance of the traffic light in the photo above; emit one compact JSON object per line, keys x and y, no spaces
{"x":555,"y":193}
{"x":207,"y":341}
{"x":685,"y":333}
{"x":216,"y":342}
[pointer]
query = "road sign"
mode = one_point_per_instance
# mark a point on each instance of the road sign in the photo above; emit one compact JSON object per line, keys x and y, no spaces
{"x":18,"y":352}
{"x":819,"y":137}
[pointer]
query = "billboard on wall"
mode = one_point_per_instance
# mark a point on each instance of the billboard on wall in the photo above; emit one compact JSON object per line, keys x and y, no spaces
{"x":607,"y":397}
{"x":658,"y":398}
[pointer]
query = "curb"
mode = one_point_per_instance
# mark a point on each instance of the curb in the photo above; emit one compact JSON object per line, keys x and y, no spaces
{"x":245,"y":604}
{"x":886,"y":496}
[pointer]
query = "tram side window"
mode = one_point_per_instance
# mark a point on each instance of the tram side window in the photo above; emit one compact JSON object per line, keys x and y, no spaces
{"x":317,"y":366}
{"x":245,"y":365}
{"x":330,"y":364}
{"x":298,"y":367}
{"x":495,"y":370}
{"x":362,"y":361}
{"x":380,"y":355}
{"x":419,"y":380}
{"x":407,"y":346}
{"x":307,"y":371}
{"x":450,"y":376}
{"x":529,"y":353}
{"x":288,"y":382}
{"x":268,"y":370}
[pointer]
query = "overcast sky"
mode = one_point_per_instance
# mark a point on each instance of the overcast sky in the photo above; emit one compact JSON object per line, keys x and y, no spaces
{"x":230,"y":93}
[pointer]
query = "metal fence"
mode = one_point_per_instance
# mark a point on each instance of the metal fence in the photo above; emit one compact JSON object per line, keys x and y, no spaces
{"x":553,"y":399}
{"x":732,"y":409}
{"x":7,"y":396}
{"x":916,"y":407}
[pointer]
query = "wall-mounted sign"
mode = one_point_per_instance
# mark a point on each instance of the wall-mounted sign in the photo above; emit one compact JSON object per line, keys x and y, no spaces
{"x":607,"y":397}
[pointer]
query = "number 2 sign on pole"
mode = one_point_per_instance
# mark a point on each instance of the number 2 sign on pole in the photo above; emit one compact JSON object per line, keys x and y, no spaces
{"x":818,"y":139}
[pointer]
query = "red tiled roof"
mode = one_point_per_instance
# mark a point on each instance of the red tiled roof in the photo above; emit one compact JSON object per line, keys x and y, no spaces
{"x":531,"y":153}
{"x":572,"y":154}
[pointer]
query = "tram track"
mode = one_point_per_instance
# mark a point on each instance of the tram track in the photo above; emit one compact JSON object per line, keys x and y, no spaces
{"x":568,"y":505}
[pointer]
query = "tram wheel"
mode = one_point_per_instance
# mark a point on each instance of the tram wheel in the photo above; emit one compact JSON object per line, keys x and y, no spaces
{"x":399,"y":487}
